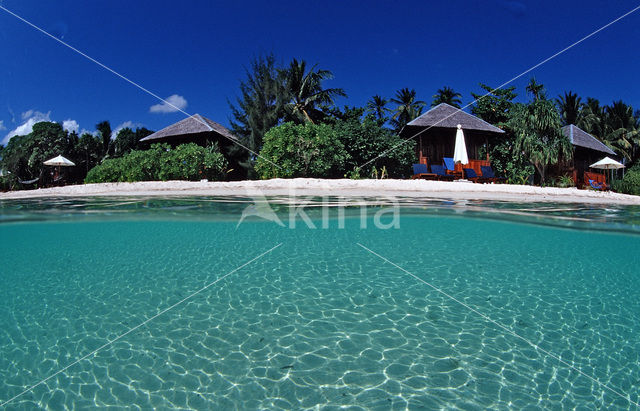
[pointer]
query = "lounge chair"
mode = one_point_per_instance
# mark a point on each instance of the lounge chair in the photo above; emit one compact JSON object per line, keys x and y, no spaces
{"x":449,"y":164}
{"x":421,"y":171}
{"x":598,"y":186}
{"x":470,"y":174}
{"x":487,"y":173}
{"x":441,"y":173}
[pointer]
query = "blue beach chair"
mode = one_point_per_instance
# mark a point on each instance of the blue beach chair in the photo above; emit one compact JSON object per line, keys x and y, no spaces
{"x":597,"y":186}
{"x":489,"y":175}
{"x":449,"y":164}
{"x":421,"y":171}
{"x":441,"y":173}
{"x":470,"y":174}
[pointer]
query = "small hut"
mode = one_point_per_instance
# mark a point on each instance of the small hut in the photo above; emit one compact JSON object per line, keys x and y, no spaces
{"x":586,"y":150}
{"x":195,"y":129}
{"x":436,"y":132}
{"x":202,"y":131}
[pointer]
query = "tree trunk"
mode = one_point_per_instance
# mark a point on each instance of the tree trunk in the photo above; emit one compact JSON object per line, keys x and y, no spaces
{"x":541,"y":170}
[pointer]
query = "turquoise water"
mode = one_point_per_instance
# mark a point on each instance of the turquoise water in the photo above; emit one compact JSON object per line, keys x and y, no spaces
{"x":319,"y":321}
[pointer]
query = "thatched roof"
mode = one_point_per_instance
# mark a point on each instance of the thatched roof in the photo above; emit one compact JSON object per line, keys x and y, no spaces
{"x":195,"y":124}
{"x":581,"y":138}
{"x":445,"y":116}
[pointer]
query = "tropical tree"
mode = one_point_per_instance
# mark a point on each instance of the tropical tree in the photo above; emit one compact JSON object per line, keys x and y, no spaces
{"x":89,"y":149}
{"x":377,"y":106}
{"x":495,"y":105}
{"x":570,"y":105}
{"x":259,"y":107}
{"x":23,"y":156}
{"x":127,"y":140}
{"x":447,"y":95}
{"x":304,"y":97}
{"x":104,"y":129}
{"x":301,"y":150}
{"x":536,"y":89}
{"x":621,"y":130}
{"x":371,"y":147}
{"x":408,"y":108}
{"x":538,"y":134}
{"x":591,"y":118}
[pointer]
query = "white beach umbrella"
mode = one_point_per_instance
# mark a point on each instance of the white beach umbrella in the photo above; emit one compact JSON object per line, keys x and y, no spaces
{"x":59,"y":161}
{"x":460,"y":150}
{"x":607,"y":164}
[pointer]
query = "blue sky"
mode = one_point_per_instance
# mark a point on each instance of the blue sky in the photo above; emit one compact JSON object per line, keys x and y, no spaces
{"x":197,"y":51}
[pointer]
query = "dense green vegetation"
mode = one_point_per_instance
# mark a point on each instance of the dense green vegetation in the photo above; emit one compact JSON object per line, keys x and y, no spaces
{"x":537,"y":133}
{"x":630,"y":184}
{"x":335,"y":149}
{"x":162,"y":163}
{"x":271,"y":95}
{"x":616,"y":125}
{"x":22,"y":157}
{"x":301,"y":150}
{"x":289,"y":120}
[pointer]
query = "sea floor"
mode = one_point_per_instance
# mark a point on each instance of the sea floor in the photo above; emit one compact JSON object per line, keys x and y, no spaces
{"x":446,"y":311}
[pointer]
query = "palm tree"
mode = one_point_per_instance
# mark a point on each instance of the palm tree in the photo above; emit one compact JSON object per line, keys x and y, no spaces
{"x":259,"y":107}
{"x":303,"y":95}
{"x":536,"y":89}
{"x":621,"y":129}
{"x":408,"y":108}
{"x":591,"y":118}
{"x":447,"y":95}
{"x":569,"y":106}
{"x":538,"y":134}
{"x":378,"y":107}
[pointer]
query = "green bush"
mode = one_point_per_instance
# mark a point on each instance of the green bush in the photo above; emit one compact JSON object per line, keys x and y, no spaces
{"x":630,"y":184}
{"x":352,"y":147}
{"x":306,"y":150}
{"x":563,"y":181}
{"x":373,"y":149}
{"x":162,"y":163}
{"x":6,"y":183}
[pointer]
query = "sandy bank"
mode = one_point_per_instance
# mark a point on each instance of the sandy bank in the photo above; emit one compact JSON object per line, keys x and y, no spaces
{"x":346,"y":188}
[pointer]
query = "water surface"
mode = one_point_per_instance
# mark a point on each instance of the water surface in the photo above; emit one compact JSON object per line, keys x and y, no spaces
{"x":319,"y":322}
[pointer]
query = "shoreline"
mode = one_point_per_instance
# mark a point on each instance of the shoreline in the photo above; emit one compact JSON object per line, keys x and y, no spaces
{"x":335,"y":188}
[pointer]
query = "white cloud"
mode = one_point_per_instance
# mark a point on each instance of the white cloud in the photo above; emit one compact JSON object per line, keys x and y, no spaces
{"x":30,"y":118}
{"x":129,"y":124}
{"x":2,"y":127}
{"x":27,"y":114}
{"x":171,"y":104}
{"x":71,"y":126}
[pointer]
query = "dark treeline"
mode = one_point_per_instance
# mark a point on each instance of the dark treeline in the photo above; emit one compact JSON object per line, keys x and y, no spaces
{"x":23,"y":156}
{"x":532,"y":145}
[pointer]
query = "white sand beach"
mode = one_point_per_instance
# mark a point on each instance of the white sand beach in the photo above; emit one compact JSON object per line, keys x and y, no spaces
{"x":343,"y":187}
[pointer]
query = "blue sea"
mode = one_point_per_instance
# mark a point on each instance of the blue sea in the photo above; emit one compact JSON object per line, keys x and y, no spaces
{"x":203,"y":303}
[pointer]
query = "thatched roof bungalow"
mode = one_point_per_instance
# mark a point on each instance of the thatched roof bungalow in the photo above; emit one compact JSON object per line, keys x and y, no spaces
{"x":582,"y":140}
{"x":195,"y":129}
{"x":202,"y":131}
{"x":586,"y":150}
{"x":436,"y":131}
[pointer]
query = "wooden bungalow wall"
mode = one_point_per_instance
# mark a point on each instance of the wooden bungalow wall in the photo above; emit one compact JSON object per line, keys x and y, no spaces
{"x":435,"y":144}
